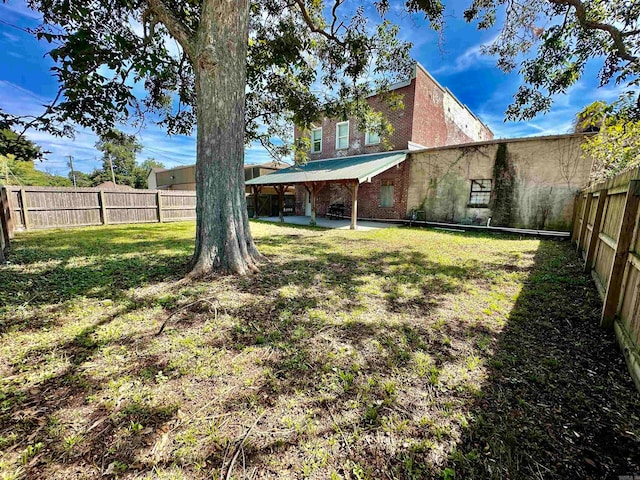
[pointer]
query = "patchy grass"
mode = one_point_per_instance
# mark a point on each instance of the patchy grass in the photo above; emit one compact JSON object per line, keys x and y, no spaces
{"x":394,"y":353}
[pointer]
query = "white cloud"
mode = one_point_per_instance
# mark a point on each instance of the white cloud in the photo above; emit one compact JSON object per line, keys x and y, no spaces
{"x":19,"y":9}
{"x":469,"y":59}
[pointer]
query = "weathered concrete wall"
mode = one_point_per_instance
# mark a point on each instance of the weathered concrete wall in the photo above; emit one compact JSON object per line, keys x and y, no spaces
{"x":548,"y":173}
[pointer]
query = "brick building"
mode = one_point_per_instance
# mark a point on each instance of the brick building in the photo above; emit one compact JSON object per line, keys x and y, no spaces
{"x":439,"y":167}
{"x":432,"y":117}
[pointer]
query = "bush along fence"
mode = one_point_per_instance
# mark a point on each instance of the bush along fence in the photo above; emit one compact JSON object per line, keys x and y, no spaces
{"x":30,"y":208}
{"x":606,"y":233}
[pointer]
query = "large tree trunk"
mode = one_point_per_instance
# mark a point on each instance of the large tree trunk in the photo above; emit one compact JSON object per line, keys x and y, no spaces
{"x":223,"y":238}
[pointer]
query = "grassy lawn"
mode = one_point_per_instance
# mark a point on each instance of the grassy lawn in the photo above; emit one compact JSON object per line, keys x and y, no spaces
{"x":394,"y":353}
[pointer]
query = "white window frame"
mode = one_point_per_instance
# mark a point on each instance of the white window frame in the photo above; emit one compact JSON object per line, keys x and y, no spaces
{"x":338,"y":137}
{"x":318,"y":129}
{"x":367,"y":138}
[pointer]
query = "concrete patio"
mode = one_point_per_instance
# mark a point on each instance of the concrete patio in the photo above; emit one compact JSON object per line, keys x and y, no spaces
{"x":343,"y":224}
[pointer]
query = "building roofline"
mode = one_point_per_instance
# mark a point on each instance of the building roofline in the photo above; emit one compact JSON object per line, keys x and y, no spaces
{"x":497,"y":141}
{"x":262,"y":165}
{"x":175,"y":168}
{"x":414,"y":75}
{"x":358,"y":155}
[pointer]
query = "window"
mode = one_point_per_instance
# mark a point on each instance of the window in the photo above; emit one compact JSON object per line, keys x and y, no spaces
{"x":342,"y":135}
{"x":316,"y":140}
{"x":480,"y":193}
{"x":372,"y":138}
{"x":386,"y":193}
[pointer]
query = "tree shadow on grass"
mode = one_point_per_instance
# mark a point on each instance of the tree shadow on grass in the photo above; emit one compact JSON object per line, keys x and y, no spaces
{"x":356,"y":369}
{"x":31,"y":412}
{"x":92,"y":263}
{"x":558,"y":401}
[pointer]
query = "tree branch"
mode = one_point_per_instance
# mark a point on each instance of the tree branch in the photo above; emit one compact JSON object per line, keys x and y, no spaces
{"x":312,"y":26}
{"x":616,"y":35}
{"x":176,"y":27}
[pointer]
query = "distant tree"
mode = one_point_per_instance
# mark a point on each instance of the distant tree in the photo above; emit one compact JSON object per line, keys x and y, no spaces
{"x":143,"y":169}
{"x":118,"y":149}
{"x":616,"y":146}
{"x":563,"y":36}
{"x":82,"y":179}
{"x":22,"y":149}
{"x":20,"y":172}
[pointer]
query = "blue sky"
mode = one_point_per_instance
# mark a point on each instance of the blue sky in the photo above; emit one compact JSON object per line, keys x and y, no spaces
{"x":26,"y":84}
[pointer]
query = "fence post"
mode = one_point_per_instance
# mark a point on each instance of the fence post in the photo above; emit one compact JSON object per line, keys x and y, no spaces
{"x":577,"y":205}
{"x":585,"y":219}
{"x":103,"y":208}
{"x":620,"y":259}
{"x":5,"y":217}
{"x":593,"y":241}
{"x":159,"y":202}
{"x":25,"y":212}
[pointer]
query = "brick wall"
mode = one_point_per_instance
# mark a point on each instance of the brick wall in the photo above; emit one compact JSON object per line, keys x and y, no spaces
{"x":368,"y":196}
{"x":439,"y":119}
{"x":431,"y":117}
{"x":401,"y":119}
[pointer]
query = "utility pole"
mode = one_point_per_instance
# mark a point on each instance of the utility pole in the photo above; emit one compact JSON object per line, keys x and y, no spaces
{"x":73,"y":172}
{"x":113,"y":175}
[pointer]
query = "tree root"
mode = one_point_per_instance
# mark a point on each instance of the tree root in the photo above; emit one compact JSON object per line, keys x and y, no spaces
{"x":208,"y":300}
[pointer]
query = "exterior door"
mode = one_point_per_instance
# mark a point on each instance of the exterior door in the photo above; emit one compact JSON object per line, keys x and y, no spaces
{"x":307,"y":204}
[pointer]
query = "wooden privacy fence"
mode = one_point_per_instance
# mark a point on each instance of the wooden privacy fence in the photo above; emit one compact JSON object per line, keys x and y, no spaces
{"x":606,"y":233}
{"x":27,"y":208}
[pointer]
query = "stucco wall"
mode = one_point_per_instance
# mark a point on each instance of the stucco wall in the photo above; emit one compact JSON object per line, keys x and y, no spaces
{"x":548,"y":171}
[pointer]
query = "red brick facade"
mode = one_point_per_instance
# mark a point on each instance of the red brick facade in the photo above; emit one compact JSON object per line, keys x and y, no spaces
{"x":431,"y":117}
{"x":401,"y":119}
{"x":369,"y":197}
{"x":439,"y":119}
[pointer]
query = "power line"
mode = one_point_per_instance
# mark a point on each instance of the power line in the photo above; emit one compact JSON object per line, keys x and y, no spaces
{"x":15,"y":26}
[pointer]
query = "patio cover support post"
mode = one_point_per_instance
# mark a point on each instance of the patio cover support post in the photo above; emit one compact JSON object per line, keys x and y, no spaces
{"x":256,"y":191}
{"x":314,"y":188}
{"x":280,"y":189}
{"x":354,"y":205}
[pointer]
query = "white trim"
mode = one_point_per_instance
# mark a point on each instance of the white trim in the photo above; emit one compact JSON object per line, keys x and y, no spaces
{"x":313,"y":142}
{"x":338,"y":135}
{"x":367,"y":138}
{"x":415,"y":146}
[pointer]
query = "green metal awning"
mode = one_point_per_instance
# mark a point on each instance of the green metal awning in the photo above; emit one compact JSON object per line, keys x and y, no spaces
{"x":361,"y":168}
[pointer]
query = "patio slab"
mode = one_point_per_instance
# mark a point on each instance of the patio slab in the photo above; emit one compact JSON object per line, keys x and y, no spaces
{"x":342,"y":224}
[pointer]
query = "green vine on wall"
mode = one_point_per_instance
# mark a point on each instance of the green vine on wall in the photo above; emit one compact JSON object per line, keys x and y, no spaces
{"x":503,"y":194}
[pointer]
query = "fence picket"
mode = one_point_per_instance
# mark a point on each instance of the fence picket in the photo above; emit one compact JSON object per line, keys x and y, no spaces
{"x":612,"y":256}
{"x":52,"y":207}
